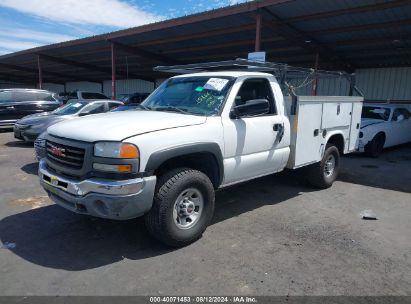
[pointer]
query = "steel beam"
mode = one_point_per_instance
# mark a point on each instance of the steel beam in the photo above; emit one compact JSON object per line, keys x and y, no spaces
{"x":35,"y":71}
{"x":40,"y":72}
{"x":209,"y":15}
{"x":201,"y":35}
{"x":351,"y":10}
{"x":258,"y":21}
{"x":90,"y":66}
{"x":113,"y":71}
{"x":304,"y":40}
{"x":315,"y":82}
{"x":362,"y":27}
{"x":144,"y":53}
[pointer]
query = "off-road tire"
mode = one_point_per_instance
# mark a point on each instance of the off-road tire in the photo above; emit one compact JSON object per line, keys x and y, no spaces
{"x":375,"y":146}
{"x":316,"y":172}
{"x":160,"y":221}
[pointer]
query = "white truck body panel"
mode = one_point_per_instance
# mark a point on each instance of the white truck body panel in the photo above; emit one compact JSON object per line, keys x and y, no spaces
{"x":316,"y":119}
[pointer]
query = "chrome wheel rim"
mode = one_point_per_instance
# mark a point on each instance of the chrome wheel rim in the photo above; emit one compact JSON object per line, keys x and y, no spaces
{"x":188,"y":208}
{"x":329,"y":166}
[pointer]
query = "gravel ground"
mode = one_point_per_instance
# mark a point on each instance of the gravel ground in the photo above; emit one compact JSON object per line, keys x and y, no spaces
{"x":271,"y":236}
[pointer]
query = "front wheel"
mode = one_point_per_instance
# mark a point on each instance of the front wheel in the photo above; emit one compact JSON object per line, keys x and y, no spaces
{"x":324,"y":173}
{"x":182,"y":208}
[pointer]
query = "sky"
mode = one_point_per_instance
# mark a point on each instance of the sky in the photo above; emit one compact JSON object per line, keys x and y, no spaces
{"x":31,"y":23}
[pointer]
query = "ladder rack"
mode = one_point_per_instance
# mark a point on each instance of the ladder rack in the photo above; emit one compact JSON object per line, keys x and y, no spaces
{"x":283,"y":72}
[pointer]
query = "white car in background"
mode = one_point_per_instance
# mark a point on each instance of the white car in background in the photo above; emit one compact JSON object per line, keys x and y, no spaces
{"x":382,"y":126}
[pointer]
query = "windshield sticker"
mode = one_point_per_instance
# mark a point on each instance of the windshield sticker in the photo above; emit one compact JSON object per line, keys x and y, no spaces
{"x":76,"y":105}
{"x":199,"y":89}
{"x":216,"y":84}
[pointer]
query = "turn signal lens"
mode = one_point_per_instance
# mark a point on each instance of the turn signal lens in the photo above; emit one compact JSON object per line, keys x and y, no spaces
{"x":112,"y":168}
{"x":128,"y":151}
{"x":124,"y":168}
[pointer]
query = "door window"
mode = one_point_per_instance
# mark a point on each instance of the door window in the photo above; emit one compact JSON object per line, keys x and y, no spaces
{"x":95,"y":108}
{"x":20,"y":96}
{"x":44,"y":96}
{"x":256,"y":88}
{"x":112,"y":105}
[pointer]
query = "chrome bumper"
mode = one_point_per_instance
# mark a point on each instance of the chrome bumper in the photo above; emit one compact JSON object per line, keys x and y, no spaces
{"x":115,"y":199}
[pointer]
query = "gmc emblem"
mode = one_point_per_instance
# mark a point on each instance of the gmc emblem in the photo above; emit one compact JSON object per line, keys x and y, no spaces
{"x":58,"y":151}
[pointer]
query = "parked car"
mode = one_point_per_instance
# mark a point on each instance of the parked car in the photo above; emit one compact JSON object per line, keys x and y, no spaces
{"x":382,"y":126}
{"x":195,"y":134}
{"x":40,"y":146}
{"x":30,"y":127}
{"x":133,"y":98}
{"x":68,"y":97}
{"x":17,"y":103}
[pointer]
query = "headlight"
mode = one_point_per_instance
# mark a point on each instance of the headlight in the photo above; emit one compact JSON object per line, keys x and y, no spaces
{"x":116,"y":150}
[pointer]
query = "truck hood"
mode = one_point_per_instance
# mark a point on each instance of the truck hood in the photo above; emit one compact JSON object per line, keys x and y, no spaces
{"x":365,"y":122}
{"x":116,"y":126}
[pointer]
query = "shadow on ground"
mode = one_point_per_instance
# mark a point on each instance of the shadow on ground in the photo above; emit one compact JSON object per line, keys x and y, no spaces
{"x":19,"y":144}
{"x":53,"y":237}
{"x":392,"y":170}
{"x":31,"y":168}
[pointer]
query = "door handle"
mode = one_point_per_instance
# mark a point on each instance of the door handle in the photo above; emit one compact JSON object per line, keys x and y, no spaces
{"x":277,"y":127}
{"x":280,"y":129}
{"x":10,"y":108}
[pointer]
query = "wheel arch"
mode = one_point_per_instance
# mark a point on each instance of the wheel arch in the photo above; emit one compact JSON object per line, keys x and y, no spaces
{"x":205,"y":157}
{"x":337,"y":139}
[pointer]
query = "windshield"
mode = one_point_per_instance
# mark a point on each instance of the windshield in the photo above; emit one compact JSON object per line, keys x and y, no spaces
{"x":202,"y":95}
{"x":70,"y":108}
{"x":376,"y":113}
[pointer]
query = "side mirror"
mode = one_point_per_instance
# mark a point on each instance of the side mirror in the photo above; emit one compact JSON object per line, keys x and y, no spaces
{"x":253,"y":107}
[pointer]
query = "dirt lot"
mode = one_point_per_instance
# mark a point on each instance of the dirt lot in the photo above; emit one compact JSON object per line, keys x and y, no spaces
{"x":271,"y":236}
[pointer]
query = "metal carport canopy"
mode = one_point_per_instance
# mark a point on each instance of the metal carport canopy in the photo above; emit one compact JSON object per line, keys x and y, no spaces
{"x":345,"y":34}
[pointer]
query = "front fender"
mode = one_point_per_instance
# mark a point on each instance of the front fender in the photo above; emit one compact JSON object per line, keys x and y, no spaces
{"x":159,"y":157}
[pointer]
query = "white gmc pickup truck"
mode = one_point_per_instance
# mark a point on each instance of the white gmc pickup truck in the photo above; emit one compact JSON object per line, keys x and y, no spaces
{"x":194,"y":134}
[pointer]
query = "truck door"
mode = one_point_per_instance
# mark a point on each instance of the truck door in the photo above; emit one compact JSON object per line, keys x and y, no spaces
{"x":251,"y":142}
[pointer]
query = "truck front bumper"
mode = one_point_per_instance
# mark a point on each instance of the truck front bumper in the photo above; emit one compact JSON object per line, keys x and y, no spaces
{"x":112,"y":199}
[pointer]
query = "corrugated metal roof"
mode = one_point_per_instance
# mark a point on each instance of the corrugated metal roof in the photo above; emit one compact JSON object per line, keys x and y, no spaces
{"x":348,"y":34}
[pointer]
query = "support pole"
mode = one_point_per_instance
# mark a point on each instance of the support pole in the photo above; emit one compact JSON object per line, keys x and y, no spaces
{"x":113,"y":72}
{"x":258,"y":33}
{"x":40,"y":73}
{"x":315,"y":82}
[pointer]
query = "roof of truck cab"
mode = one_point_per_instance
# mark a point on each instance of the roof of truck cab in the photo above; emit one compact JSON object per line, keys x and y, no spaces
{"x":235,"y":74}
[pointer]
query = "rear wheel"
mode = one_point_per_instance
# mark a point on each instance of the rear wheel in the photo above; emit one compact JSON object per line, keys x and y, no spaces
{"x":324,"y":173}
{"x":375,"y":146}
{"x":183,"y":207}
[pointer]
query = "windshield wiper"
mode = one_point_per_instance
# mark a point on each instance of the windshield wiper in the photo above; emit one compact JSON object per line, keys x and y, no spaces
{"x":170,"y":108}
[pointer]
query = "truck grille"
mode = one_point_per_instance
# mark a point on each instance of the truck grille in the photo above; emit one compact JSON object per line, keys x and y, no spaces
{"x":64,"y":155}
